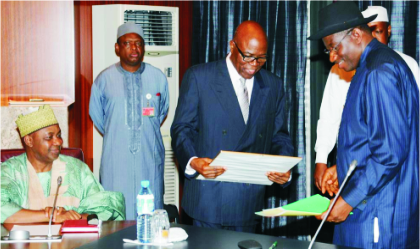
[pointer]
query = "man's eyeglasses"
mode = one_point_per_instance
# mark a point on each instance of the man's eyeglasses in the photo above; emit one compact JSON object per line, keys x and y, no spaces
{"x":328,"y":51}
{"x":250,"y":59}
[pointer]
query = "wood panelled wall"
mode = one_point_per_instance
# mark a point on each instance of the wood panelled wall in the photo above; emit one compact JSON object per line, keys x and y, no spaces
{"x":36,"y":51}
{"x":80,"y":125}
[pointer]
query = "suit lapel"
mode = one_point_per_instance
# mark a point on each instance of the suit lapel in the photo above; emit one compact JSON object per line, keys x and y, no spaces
{"x":258,"y":99}
{"x":226,"y":95}
{"x":223,"y":88}
{"x":258,"y":102}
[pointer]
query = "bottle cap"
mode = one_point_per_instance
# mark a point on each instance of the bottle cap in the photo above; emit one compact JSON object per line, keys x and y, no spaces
{"x":145,"y":184}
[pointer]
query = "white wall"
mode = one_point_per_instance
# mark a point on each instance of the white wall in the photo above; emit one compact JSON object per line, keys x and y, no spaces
{"x":9,"y":135}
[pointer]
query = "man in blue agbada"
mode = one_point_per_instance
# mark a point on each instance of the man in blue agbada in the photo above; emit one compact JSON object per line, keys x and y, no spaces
{"x":128,"y":103}
{"x":379,"y":129}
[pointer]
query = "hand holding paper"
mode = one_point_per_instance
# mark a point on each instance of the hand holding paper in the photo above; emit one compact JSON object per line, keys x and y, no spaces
{"x":278,"y":177}
{"x":339,"y":212}
{"x":250,"y":168}
{"x":314,"y":205}
{"x":202,"y":166}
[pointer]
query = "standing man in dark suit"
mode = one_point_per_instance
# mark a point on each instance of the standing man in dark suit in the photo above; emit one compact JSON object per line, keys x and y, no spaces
{"x":234,"y":105}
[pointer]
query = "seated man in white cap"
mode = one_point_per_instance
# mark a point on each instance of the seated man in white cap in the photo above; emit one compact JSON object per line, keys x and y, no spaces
{"x":29,"y":181}
{"x":128,"y":103}
{"x":336,"y":88}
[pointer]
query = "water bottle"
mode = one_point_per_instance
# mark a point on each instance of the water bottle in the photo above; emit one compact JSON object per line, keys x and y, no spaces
{"x":145,"y":208}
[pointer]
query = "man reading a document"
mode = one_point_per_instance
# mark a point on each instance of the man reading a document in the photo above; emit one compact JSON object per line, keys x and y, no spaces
{"x":233,"y":105}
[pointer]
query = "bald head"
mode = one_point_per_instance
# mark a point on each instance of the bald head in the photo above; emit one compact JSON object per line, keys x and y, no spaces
{"x":249,"y":41}
{"x":250,"y":30}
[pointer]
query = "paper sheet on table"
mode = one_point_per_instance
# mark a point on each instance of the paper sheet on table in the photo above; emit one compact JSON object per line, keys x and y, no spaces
{"x":250,"y":167}
{"x":314,"y":205}
{"x":38,"y":229}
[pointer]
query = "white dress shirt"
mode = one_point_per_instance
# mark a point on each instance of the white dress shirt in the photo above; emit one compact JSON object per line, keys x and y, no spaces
{"x":332,"y":106}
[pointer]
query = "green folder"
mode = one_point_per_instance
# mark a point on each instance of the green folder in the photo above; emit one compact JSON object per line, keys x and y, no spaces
{"x":314,"y":205}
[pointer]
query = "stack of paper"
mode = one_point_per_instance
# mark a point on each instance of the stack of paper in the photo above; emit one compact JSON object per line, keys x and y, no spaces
{"x":38,"y":229}
{"x":314,"y":205}
{"x":250,"y":167}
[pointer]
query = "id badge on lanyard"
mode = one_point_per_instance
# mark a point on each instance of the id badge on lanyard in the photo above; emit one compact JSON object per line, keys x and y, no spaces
{"x":148,"y":111}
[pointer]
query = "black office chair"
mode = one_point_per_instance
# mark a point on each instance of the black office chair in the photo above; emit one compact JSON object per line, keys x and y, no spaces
{"x":172,"y":211}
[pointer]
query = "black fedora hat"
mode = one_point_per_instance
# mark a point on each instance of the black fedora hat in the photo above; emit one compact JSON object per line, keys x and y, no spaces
{"x":337,"y":17}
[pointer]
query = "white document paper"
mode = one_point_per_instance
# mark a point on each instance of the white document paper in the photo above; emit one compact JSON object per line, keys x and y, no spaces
{"x":38,"y":229}
{"x":250,"y":167}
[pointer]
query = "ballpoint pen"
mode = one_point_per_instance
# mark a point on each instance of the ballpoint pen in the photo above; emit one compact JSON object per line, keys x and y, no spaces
{"x":273,"y":246}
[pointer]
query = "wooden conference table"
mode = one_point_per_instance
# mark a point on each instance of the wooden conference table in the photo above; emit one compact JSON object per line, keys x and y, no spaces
{"x":198,"y":238}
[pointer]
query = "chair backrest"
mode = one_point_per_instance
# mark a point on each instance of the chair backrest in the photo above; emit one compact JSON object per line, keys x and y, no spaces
{"x":74,"y":152}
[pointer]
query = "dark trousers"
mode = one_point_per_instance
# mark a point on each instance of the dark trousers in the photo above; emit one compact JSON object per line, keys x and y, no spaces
{"x":248,"y":229}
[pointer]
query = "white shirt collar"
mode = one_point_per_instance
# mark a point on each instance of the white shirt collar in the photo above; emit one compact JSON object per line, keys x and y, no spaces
{"x":236,"y":79}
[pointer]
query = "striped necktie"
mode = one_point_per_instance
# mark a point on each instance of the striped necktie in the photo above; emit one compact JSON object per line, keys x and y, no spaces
{"x":244,"y":101}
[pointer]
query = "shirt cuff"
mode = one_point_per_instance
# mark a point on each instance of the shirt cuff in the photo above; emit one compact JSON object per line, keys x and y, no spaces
{"x":286,"y":184}
{"x":321,"y":157}
{"x":290,"y":178}
{"x":188,"y":169}
{"x":353,"y":196}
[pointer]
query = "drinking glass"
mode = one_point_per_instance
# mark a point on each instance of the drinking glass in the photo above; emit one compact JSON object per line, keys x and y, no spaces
{"x":160,"y":226}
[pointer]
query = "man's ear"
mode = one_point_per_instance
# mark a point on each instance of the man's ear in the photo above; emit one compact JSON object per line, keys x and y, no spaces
{"x":28,"y":140}
{"x":231,"y":45}
{"x":117,"y":49}
{"x":389,"y":30}
{"x":356,"y":35}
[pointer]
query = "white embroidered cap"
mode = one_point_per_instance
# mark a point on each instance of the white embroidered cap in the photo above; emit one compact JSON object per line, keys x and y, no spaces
{"x":381,"y":11}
